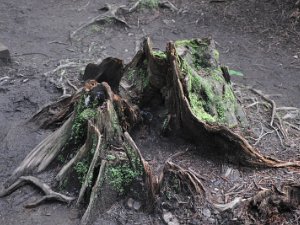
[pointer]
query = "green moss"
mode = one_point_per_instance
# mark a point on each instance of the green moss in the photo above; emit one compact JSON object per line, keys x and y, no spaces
{"x":88,"y":114}
{"x":135,"y":160}
{"x":96,"y":28}
{"x":216,"y":74}
{"x":220,"y":111}
{"x":198,"y":109}
{"x":111,"y":157}
{"x":216,"y":54}
{"x":150,"y":3}
{"x":130,"y":75}
{"x":138,"y":77}
{"x":121,"y":176}
{"x":211,"y":98}
{"x":160,"y":54}
{"x":199,"y":51}
{"x":191,"y":43}
{"x":79,"y":123}
{"x":81,"y":168}
{"x":61,"y":158}
{"x":82,"y":115}
{"x":229,"y":95}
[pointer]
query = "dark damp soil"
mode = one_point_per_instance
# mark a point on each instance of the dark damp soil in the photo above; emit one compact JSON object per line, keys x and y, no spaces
{"x":257,"y":38}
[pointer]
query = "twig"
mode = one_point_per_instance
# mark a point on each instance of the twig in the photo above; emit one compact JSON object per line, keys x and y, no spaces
{"x":63,"y":66}
{"x":281,"y":128}
{"x":177,"y":154}
{"x":72,"y":85}
{"x":32,"y":53}
{"x":291,"y":125}
{"x":261,"y":136}
{"x":216,"y":1}
{"x":197,"y":174}
{"x":4,"y":78}
{"x":276,"y":130}
{"x":135,"y":6}
{"x":189,"y":174}
{"x":229,"y":205}
{"x":287,"y":108}
{"x":57,"y":42}
{"x":83,"y":7}
{"x":268,"y":100}
{"x":252,"y":104}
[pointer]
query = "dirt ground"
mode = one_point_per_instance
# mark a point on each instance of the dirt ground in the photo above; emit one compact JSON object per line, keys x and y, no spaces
{"x":257,"y":38}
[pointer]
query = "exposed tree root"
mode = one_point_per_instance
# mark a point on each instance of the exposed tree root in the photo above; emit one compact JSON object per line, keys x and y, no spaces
{"x":189,"y":177}
{"x":49,"y":193}
{"x":168,"y":5}
{"x":161,"y":4}
{"x":110,"y":14}
{"x":269,"y":203}
{"x":230,"y":205}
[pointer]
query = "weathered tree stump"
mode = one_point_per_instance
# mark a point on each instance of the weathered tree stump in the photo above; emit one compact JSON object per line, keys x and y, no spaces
{"x":93,"y":147}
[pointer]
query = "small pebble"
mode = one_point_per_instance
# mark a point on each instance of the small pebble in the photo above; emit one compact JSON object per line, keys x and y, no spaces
{"x":170,"y":219}
{"x":206,"y":213}
{"x":130,"y":203}
{"x":137,"y":205}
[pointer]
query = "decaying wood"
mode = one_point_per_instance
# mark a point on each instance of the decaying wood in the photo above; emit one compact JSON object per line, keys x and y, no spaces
{"x":151,"y":78}
{"x":151,"y":182}
{"x":238,"y":147}
{"x":95,"y":191}
{"x":67,"y":167}
{"x":44,"y":153}
{"x":92,"y":165}
{"x":54,"y":114}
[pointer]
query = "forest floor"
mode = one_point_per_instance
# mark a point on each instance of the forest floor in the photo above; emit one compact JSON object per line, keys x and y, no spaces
{"x":257,"y":38}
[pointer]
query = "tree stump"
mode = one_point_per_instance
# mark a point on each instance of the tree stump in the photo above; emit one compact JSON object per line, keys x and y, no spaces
{"x":92,"y":144}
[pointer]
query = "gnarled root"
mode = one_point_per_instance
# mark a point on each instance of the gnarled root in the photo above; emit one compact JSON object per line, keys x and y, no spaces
{"x":111,"y":13}
{"x":49,"y":193}
{"x":187,"y":176}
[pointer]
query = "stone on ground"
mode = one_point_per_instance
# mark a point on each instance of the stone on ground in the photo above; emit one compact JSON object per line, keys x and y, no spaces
{"x":4,"y":53}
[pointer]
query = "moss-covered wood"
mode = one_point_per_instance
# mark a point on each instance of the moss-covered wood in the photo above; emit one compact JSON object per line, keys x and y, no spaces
{"x":93,"y":148}
{"x":211,"y":98}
